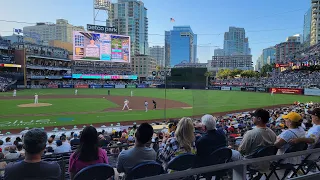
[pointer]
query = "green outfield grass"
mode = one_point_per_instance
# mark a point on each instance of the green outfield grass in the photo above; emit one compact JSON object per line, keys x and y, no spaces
{"x":202,"y":101}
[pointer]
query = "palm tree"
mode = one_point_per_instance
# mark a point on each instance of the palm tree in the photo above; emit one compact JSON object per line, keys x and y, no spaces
{"x":207,"y":75}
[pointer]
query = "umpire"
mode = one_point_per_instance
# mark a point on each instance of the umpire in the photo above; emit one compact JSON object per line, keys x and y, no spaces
{"x":154,"y":105}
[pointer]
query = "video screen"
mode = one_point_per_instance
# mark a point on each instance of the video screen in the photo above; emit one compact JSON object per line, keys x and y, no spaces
{"x":101,"y":47}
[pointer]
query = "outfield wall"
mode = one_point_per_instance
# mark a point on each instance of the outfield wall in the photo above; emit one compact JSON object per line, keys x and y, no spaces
{"x":275,"y":90}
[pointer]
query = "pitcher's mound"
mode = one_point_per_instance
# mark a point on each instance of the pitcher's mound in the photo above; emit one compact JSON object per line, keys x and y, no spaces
{"x":34,"y":105}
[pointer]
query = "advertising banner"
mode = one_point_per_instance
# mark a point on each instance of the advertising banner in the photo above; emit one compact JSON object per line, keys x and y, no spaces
{"x":143,"y":85}
{"x":67,"y":76}
{"x":53,"y":86}
{"x":286,"y":91}
{"x":250,"y":89}
{"x":312,"y":92}
{"x":54,"y":77}
{"x":95,"y":86}
{"x":225,"y":88}
{"x":37,"y":87}
{"x":21,"y":86}
{"x":66,"y":86}
{"x":260,"y":89}
{"x":108,"y":86}
{"x":81,"y":86}
{"x":37,"y":77}
{"x":120,"y":86}
{"x":215,"y":87}
{"x":131,"y":86}
{"x":235,"y":88}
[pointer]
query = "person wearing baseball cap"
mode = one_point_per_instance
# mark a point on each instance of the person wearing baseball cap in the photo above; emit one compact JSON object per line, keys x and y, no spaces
{"x":293,"y":121}
{"x":313,"y":135}
{"x":259,"y":136}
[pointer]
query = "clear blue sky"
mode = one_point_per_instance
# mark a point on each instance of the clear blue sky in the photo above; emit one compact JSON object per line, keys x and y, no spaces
{"x":267,"y":22}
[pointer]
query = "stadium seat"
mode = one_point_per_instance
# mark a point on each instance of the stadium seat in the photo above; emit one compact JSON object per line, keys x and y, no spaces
{"x":279,"y":165}
{"x":145,"y":169}
{"x":95,"y":172}
{"x":261,"y":152}
{"x":181,"y":162}
{"x":309,"y":163}
{"x":219,"y":156}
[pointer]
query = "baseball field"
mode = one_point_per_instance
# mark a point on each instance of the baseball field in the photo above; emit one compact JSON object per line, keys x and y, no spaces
{"x":62,"y":108}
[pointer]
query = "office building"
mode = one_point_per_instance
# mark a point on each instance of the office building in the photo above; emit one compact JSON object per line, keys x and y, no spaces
{"x":130,"y":17}
{"x":180,"y":45}
{"x":315,"y":20}
{"x":284,"y":50}
{"x":143,"y":65}
{"x":157,"y":52}
{"x":236,"y":42}
{"x":307,"y":28}
{"x":219,"y":52}
{"x":243,"y":62}
{"x":295,"y":38}
{"x":45,"y":32}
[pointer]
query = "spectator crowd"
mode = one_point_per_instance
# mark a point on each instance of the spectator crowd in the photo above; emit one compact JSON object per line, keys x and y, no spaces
{"x":241,"y":133}
{"x":298,"y":79}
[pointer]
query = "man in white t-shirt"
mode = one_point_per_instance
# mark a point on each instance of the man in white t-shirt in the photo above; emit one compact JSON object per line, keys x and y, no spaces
{"x":313,"y":135}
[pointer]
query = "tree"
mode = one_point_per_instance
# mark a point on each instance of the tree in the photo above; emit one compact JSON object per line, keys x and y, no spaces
{"x":265,"y":69}
{"x":235,"y":72}
{"x":249,"y":74}
{"x":208,"y":74}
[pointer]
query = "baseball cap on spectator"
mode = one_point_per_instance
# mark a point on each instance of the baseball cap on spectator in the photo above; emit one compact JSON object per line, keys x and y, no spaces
{"x":261,"y":113}
{"x":293,"y":116}
{"x":315,"y":112}
{"x":59,"y":142}
{"x":75,"y":135}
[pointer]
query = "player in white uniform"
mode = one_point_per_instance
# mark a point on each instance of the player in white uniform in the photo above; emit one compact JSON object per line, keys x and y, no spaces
{"x":76,"y":92}
{"x":14,"y":93}
{"x":146,"y":105}
{"x":126,"y":102}
{"x":36,"y":98}
{"x":131,"y":93}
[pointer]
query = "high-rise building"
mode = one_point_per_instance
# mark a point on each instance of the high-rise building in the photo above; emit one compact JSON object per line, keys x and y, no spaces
{"x":243,"y":62}
{"x":180,"y":45}
{"x":284,"y":50}
{"x":307,"y":28}
{"x":219,"y":52}
{"x":62,"y":31}
{"x":236,"y":42}
{"x":295,"y":38}
{"x":267,"y":57}
{"x":157,"y":52}
{"x":143,"y":65}
{"x":315,"y":20}
{"x":130,"y":17}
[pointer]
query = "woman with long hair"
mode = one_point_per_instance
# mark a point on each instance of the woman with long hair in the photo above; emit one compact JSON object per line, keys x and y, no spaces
{"x":182,"y":142}
{"x":88,"y":153}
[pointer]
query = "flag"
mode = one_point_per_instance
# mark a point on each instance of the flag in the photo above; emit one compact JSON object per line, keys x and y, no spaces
{"x":172,"y":20}
{"x":18,"y":31}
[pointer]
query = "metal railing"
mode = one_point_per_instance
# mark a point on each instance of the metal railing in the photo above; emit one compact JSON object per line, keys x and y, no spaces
{"x":239,"y":167}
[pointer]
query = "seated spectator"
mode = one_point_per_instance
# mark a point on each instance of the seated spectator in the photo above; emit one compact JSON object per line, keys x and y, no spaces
{"x":212,"y":140}
{"x":61,"y":148}
{"x":32,"y":167}
{"x":103,"y":142}
{"x":182,"y":142}
{"x":259,"y":136}
{"x":88,"y":152}
{"x":75,"y":141}
{"x":12,"y":154}
{"x":139,"y":153}
{"x":3,"y":163}
{"x":293,"y":121}
{"x":20,"y":149}
{"x":50,"y":143}
{"x":8,"y":142}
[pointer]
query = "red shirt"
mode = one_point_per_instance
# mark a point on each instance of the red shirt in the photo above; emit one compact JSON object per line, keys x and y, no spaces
{"x":75,"y":165}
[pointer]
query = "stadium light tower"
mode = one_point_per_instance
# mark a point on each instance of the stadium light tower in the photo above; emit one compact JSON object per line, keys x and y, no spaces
{"x":99,"y":7}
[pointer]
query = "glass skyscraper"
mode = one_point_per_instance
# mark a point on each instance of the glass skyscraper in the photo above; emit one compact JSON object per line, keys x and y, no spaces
{"x":307,"y":28}
{"x":235,"y":42}
{"x":180,"y":45}
{"x":130,"y":17}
